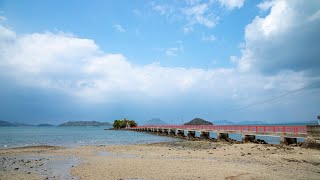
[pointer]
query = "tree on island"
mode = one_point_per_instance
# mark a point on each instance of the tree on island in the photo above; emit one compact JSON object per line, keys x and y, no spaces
{"x":124,"y":123}
{"x":198,"y":121}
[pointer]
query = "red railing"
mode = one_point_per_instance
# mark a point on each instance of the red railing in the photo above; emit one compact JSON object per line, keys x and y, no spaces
{"x":235,"y":128}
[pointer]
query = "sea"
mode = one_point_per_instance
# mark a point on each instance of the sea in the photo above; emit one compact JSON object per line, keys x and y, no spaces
{"x":11,"y":137}
{"x":73,"y":136}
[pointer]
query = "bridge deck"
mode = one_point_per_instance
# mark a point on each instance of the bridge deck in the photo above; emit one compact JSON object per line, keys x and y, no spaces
{"x":292,"y":131}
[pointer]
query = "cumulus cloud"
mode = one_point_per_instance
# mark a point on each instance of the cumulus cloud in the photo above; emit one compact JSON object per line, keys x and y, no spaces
{"x":78,"y":67}
{"x":286,"y":39}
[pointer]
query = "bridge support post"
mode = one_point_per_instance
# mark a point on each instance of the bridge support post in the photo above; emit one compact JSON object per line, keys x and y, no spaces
{"x":204,"y":135}
{"x":165,"y":131}
{"x":313,"y":136}
{"x":223,"y":136}
{"x":288,"y":140}
{"x":180,"y":132}
{"x":191,"y":134}
{"x":172,"y":132}
{"x":160,"y":131}
{"x":157,"y":130}
{"x":248,"y":138}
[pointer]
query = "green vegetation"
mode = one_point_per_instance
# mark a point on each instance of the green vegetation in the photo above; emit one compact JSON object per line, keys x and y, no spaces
{"x":198,"y":121}
{"x":120,"y":124}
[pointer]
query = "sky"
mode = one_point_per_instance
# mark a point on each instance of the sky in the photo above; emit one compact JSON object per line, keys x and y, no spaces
{"x":174,"y":60}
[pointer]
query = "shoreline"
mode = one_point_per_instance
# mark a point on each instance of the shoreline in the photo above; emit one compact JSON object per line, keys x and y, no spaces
{"x":165,"y":160}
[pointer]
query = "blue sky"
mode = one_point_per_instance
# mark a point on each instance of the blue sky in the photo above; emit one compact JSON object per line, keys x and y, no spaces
{"x":102,"y":60}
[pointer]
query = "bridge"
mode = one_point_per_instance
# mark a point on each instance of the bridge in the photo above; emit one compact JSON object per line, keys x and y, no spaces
{"x":287,"y":134}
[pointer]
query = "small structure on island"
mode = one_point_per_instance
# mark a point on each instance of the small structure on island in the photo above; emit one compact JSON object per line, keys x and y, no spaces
{"x":127,"y":123}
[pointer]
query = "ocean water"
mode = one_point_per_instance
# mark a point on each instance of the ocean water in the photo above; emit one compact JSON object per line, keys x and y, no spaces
{"x":72,"y":136}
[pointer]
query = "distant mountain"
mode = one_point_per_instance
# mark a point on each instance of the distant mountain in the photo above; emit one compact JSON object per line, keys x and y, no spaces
{"x":251,"y":123}
{"x":154,"y":121}
{"x":45,"y":125}
{"x":198,"y":121}
{"x":301,"y":123}
{"x":5,"y":123}
{"x":21,"y":124}
{"x":85,"y":123}
{"x":223,"y":122}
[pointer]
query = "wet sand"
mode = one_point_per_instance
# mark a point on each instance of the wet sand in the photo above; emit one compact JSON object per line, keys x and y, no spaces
{"x":174,"y":160}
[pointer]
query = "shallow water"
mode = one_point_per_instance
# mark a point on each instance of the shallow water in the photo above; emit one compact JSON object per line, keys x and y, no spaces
{"x":72,"y":136}
{"x":50,"y":167}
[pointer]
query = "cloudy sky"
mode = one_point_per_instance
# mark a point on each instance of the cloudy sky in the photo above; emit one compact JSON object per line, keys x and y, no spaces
{"x":174,"y":60}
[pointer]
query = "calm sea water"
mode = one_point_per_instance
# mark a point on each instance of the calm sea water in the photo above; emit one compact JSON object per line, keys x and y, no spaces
{"x":72,"y":136}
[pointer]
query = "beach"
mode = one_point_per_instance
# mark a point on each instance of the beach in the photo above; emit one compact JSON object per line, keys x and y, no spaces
{"x":169,"y":160}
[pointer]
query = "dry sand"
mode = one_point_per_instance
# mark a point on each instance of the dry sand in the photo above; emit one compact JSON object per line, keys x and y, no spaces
{"x":175,"y":160}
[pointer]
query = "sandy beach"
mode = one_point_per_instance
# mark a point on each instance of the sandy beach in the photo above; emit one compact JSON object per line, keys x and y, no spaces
{"x":171,"y":160}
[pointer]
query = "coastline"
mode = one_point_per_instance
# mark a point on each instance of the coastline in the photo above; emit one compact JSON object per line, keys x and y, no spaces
{"x":168,"y":160}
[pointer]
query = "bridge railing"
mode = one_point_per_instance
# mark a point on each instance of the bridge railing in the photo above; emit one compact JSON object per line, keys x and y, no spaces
{"x":237,"y":128}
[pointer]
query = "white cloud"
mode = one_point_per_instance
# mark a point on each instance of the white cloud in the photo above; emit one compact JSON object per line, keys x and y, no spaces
{"x":172,"y":51}
{"x":119,"y":28}
{"x":7,"y":34}
{"x":231,"y":4}
{"x":200,"y":14}
{"x":136,"y":12}
{"x":187,"y":29}
{"x":315,"y":16}
{"x":163,"y":9}
{"x":208,"y":38}
{"x":192,"y":12}
{"x":286,"y":39}
{"x":78,"y":67}
{"x":2,"y":18}
{"x":265,"y":5}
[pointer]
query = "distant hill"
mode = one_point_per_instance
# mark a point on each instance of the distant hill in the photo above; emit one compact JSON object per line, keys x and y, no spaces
{"x":198,"y":121}
{"x":154,"y":121}
{"x":5,"y":123}
{"x":315,"y":122}
{"x":45,"y":125}
{"x":85,"y":123}
{"x":223,"y":122}
{"x":21,"y":124}
{"x":252,"y":123}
